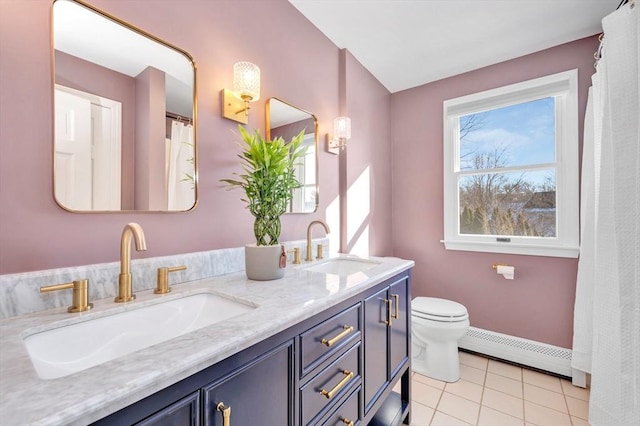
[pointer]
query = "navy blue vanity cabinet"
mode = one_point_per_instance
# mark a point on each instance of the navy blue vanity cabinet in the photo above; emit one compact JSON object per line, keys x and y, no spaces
{"x":255,"y":394}
{"x":338,"y":367}
{"x":252,"y":387}
{"x":387,"y":348}
{"x":184,"y":412}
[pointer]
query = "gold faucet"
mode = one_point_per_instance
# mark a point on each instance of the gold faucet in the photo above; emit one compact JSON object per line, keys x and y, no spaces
{"x":125,"y":293}
{"x":309,"y":249}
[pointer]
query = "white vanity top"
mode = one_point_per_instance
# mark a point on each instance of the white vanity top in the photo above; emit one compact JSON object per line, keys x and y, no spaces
{"x":96,"y":392}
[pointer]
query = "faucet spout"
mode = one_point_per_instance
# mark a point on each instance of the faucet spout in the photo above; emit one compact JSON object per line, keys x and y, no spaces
{"x":131,"y":231}
{"x":309,"y":257}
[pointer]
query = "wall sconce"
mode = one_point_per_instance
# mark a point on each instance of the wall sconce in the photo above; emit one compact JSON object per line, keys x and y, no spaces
{"x":341,"y":134}
{"x":246,"y":88}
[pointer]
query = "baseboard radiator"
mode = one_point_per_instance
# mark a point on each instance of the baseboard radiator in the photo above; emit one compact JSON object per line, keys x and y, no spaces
{"x":526,"y":352}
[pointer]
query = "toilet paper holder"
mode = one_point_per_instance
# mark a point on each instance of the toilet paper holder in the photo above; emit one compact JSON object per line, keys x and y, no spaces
{"x":508,"y":272}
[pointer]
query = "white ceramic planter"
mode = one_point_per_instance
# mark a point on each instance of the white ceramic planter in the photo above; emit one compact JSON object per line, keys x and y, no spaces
{"x":262,"y":263}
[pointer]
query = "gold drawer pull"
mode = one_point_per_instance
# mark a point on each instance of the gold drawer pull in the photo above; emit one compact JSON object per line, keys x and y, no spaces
{"x":347,"y":422}
{"x":347,"y":376}
{"x":388,"y":321}
{"x":396,"y":297}
{"x":346,"y":329}
{"x":226,"y":413}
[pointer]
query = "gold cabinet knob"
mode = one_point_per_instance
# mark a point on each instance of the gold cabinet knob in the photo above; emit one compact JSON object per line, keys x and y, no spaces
{"x":163,"y":278}
{"x":80,"y":298}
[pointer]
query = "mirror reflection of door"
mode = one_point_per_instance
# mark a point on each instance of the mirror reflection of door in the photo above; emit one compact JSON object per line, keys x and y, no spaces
{"x":87,"y":150}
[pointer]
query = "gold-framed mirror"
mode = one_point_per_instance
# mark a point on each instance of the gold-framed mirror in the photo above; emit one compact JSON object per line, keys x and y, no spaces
{"x":124,"y":116}
{"x":286,"y":120}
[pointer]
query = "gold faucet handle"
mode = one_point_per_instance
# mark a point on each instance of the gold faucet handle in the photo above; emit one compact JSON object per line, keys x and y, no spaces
{"x":320,"y":253}
{"x":80,"y":294}
{"x":296,"y":255}
{"x":163,"y":278}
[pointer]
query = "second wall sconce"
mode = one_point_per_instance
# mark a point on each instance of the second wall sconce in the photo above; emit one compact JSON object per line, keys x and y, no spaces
{"x":246,"y":88}
{"x":341,"y":134}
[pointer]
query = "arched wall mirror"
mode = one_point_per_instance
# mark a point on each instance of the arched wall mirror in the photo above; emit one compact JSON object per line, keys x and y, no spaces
{"x":286,"y":121}
{"x":124,"y":116}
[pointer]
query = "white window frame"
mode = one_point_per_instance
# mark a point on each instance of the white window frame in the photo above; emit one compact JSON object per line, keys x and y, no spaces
{"x":564,"y":87}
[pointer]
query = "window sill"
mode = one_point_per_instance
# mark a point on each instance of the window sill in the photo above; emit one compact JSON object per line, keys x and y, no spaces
{"x":511,"y":248}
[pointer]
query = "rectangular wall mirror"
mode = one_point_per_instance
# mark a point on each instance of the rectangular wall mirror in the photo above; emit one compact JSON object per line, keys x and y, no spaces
{"x":286,"y":121}
{"x":124,"y":116}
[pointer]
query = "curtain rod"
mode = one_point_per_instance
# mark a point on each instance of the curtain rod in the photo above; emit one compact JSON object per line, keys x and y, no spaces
{"x":178,"y":117}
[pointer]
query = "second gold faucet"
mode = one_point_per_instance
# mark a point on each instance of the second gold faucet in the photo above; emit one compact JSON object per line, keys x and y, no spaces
{"x":125,"y":292}
{"x":309,"y":257}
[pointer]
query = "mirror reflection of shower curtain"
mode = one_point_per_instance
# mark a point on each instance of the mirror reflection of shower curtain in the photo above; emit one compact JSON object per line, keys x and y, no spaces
{"x":180,"y":167}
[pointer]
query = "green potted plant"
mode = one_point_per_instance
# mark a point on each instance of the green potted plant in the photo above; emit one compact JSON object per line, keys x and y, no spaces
{"x":268,"y":179}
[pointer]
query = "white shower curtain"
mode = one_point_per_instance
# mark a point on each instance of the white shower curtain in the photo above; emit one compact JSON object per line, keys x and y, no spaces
{"x":607,"y":308}
{"x":180,"y":167}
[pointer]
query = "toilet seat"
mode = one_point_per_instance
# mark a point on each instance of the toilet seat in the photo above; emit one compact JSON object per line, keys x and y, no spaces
{"x":441,"y":310}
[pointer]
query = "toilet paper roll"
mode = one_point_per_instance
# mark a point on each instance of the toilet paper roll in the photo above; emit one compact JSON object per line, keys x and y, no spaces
{"x":508,"y":272}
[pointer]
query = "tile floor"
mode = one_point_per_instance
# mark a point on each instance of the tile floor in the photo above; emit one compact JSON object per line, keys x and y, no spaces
{"x":493,"y":393}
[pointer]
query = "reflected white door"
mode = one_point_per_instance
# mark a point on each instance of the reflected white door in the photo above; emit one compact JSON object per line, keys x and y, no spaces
{"x":73,"y":174}
{"x":88,"y":150}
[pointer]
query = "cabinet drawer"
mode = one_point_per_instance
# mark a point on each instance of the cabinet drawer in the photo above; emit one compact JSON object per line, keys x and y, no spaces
{"x":328,"y":337}
{"x":347,"y":413}
{"x":330,"y":385}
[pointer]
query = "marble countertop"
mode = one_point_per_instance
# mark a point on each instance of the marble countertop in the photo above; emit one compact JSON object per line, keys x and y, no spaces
{"x":96,"y":392}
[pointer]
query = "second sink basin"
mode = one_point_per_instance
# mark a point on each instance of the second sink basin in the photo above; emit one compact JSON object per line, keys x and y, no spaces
{"x":342,"y":266}
{"x":68,"y":349}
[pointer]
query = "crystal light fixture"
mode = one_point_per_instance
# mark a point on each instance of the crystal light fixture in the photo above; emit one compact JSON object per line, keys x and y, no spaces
{"x":246,"y":89}
{"x":341,"y":134}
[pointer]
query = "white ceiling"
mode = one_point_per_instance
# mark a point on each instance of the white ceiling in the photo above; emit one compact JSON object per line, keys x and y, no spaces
{"x":407,"y":43}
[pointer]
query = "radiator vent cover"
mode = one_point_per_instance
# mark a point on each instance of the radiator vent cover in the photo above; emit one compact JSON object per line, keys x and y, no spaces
{"x":516,"y":349}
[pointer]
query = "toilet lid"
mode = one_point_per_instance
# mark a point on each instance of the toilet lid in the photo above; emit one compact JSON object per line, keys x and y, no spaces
{"x":438,"y":309}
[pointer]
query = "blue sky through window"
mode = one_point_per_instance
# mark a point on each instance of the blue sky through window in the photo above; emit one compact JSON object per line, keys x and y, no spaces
{"x":524,"y":133}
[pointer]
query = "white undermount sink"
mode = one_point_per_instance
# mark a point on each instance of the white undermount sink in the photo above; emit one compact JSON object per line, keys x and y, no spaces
{"x":61,"y":351}
{"x":342,"y":266}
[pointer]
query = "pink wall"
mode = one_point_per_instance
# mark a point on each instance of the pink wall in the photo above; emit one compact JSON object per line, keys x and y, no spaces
{"x":538,"y":304}
{"x":36,"y":234}
{"x":366,"y":162}
{"x":403,"y":211}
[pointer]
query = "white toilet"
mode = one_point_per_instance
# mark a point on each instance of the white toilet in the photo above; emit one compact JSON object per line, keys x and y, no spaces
{"x":436,"y":326}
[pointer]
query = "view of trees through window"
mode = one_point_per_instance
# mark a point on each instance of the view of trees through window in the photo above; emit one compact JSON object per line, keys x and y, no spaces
{"x":507,"y":181}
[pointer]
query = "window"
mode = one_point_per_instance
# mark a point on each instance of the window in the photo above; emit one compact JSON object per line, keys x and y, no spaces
{"x":304,"y":199}
{"x":511,"y":169}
